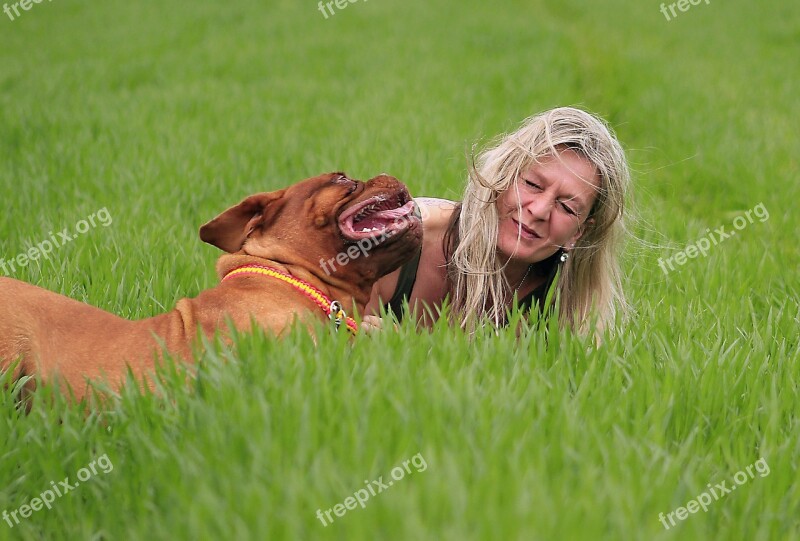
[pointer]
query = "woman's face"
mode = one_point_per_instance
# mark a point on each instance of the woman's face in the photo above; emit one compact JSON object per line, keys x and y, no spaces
{"x":555,"y":196}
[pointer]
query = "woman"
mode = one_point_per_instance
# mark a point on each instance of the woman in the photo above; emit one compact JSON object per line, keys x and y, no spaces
{"x":548,"y":197}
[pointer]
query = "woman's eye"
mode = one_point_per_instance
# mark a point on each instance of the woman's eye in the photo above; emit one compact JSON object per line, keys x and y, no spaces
{"x":569,"y":209}
{"x":532,"y":184}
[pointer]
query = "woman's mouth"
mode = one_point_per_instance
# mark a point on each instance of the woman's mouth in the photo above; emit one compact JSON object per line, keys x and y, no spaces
{"x":525,"y":232}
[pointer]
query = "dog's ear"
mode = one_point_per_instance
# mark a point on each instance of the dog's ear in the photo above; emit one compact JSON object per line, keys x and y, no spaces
{"x":229,"y":230}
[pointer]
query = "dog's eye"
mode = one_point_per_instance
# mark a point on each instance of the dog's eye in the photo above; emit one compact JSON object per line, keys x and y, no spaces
{"x":342,"y":179}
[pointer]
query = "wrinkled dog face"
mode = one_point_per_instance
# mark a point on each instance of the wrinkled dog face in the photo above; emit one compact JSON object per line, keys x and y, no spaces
{"x":332,"y":224}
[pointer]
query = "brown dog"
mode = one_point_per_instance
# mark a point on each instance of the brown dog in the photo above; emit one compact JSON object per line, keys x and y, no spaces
{"x":313,"y":231}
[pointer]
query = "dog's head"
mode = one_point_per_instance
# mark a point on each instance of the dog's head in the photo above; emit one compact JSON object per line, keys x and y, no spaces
{"x":332,"y":225}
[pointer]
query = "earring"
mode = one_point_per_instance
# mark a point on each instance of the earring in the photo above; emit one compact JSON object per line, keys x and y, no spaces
{"x":564,"y":257}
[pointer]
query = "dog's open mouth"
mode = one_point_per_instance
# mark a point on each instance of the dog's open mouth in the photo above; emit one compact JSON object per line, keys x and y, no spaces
{"x":379,"y":215}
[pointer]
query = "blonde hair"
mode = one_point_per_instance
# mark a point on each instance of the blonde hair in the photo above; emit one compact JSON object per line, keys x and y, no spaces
{"x":589,"y":284}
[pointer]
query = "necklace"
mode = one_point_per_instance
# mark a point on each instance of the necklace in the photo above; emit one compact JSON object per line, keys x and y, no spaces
{"x":527,"y":272}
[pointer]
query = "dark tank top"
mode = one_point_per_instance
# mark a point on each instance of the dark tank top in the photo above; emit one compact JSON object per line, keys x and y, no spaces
{"x":408,"y":276}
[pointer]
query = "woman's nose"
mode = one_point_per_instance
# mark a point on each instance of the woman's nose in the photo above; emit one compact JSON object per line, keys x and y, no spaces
{"x":539,"y":206}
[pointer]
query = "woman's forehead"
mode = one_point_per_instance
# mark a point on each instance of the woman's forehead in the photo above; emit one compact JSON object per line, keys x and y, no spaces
{"x":568,"y":169}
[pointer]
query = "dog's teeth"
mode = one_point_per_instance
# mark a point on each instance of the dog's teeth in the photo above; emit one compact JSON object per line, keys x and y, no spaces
{"x":366,"y":211}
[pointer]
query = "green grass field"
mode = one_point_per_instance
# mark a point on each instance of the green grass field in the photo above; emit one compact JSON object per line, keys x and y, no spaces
{"x":166,"y":113}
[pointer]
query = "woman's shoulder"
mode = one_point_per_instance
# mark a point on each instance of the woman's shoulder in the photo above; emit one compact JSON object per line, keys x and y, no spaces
{"x":436,"y":213}
{"x":436,"y":218}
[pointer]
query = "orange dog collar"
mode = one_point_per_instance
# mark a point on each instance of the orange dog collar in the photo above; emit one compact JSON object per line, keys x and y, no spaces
{"x":332,"y":309}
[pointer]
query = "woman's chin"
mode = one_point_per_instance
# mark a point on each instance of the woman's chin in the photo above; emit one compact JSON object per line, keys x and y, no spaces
{"x":522,"y":251}
{"x":530,"y":251}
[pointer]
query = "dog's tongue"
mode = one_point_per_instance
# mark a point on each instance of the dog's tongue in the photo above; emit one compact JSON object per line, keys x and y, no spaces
{"x":376,"y":222}
{"x":382,"y":218}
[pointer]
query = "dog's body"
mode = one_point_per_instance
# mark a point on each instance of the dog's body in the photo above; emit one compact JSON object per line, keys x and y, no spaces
{"x":289,"y":230}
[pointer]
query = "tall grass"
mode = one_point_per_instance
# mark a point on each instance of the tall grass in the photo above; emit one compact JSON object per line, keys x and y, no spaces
{"x":167,"y":113}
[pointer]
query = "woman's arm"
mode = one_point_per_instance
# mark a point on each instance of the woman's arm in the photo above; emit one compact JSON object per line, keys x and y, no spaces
{"x":382,"y":292}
